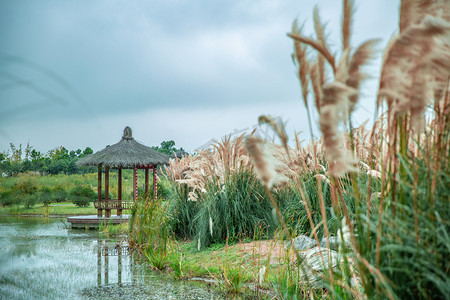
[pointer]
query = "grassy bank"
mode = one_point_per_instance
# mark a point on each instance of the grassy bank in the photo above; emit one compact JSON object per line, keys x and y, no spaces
{"x":29,"y":192}
{"x":251,"y":268}
{"x":57,"y":209}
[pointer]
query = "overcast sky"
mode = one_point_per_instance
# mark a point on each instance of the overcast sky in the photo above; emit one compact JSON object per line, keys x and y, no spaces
{"x":74,"y":73}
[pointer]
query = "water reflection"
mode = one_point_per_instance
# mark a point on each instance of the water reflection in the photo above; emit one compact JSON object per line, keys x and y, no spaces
{"x":105,"y":250}
{"x":41,"y":259}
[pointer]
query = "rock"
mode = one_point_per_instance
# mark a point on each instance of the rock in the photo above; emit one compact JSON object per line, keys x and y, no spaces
{"x":313,"y":258}
{"x":302,"y":242}
{"x":316,"y":262}
{"x":333,"y":240}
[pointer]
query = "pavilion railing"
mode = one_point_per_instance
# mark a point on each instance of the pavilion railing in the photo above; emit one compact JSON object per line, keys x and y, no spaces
{"x":113,"y":204}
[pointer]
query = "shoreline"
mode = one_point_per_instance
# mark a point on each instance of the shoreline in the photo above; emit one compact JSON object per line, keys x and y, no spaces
{"x":42,"y":216}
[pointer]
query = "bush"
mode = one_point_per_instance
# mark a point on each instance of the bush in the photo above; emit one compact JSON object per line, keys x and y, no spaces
{"x":45,"y":195}
{"x":82,"y":195}
{"x":59,"y":193}
{"x":29,"y":200}
{"x":25,"y":191}
{"x":26,"y":187}
{"x":293,"y":208}
{"x":7,"y":198}
{"x":103,"y":195}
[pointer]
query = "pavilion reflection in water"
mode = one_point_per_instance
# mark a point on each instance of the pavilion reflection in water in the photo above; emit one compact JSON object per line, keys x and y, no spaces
{"x":119,"y":252}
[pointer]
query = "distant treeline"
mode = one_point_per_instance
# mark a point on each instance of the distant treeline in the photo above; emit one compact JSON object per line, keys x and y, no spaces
{"x":56,"y":161}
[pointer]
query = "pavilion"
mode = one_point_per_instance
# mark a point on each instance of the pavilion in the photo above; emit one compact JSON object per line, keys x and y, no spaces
{"x":126,"y":154}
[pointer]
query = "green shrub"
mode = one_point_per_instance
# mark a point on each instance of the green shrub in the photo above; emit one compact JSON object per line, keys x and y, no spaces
{"x":82,"y":195}
{"x":29,"y":200}
{"x":103,"y":195}
{"x":45,"y":195}
{"x":415,"y":240}
{"x":59,"y":193}
{"x":293,"y":208}
{"x":24,"y":191}
{"x":26,"y":187}
{"x":7,"y":197}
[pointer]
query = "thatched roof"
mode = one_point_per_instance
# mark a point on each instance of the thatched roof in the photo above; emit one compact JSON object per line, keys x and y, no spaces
{"x":126,"y":154}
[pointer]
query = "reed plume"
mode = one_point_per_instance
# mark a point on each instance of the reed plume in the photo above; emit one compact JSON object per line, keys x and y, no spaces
{"x":333,"y":111}
{"x":316,"y":85}
{"x":265,"y":163}
{"x":362,"y":55}
{"x":300,"y":56}
{"x":319,"y":28}
{"x":334,"y":100}
{"x":278,"y":127}
{"x":417,"y":56}
{"x":347,"y":13}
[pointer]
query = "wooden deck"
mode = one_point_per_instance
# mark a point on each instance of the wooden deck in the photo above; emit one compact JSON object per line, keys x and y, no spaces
{"x":95,"y":221}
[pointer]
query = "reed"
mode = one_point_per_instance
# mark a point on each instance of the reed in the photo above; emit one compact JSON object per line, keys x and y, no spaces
{"x":382,"y":191}
{"x":150,"y":234}
{"x":402,"y":187}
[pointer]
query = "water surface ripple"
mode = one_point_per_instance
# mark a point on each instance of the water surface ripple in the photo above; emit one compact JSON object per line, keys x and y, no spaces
{"x":41,"y":259}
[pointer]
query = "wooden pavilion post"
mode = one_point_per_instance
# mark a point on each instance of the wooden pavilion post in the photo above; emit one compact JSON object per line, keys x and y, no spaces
{"x":119,"y":192}
{"x":135,"y":190}
{"x":155,"y":184}
{"x":146,"y":185}
{"x":99,"y":192}
{"x":108,"y":209}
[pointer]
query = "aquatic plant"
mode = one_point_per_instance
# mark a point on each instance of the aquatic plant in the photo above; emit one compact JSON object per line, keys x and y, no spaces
{"x":149,"y":232}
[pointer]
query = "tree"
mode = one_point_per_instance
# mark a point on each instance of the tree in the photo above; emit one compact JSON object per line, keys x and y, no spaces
{"x":16,"y":155}
{"x":59,"y":166}
{"x":72,"y":155}
{"x":55,"y":161}
{"x":35,"y":155}
{"x":28,"y":151}
{"x":87,"y":151}
{"x":167,"y":147}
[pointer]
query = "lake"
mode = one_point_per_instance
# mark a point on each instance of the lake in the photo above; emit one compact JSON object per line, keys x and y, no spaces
{"x":41,"y":258}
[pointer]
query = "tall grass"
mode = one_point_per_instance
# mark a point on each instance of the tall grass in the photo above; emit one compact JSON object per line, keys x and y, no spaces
{"x":234,"y":210}
{"x":149,"y":232}
{"x":218,"y":197}
{"x":399,"y":226}
{"x":382,"y":191}
{"x":183,"y":212}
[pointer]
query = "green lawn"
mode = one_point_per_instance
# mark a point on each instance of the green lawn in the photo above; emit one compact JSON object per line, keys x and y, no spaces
{"x":57,"y":209}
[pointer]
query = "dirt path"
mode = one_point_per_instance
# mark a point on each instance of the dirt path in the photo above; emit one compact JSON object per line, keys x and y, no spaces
{"x":263,"y":250}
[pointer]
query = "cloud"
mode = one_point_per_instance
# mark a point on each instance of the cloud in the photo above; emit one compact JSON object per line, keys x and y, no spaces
{"x":189,"y":128}
{"x":126,"y":62}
